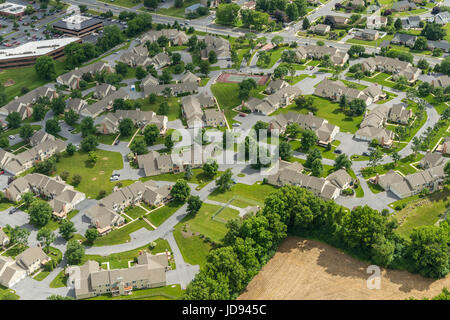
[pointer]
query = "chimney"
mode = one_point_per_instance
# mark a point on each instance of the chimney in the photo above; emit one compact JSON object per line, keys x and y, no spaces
{"x":377,"y":178}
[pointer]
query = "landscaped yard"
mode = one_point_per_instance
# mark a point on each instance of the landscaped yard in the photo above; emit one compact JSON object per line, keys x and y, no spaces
{"x":8,"y":294}
{"x":122,"y":3}
{"x":121,"y":235}
{"x":172,"y":292}
{"x":193,"y":248}
{"x":160,"y":215}
{"x":174,"y":106}
{"x":135,"y":212}
{"x":94,"y":178}
{"x":330,"y":111}
{"x":59,"y":281}
{"x":245,"y":195}
{"x":379,"y":78}
{"x":177,"y":12}
{"x":422,"y":211}
{"x":404,"y":166}
{"x":198,"y":177}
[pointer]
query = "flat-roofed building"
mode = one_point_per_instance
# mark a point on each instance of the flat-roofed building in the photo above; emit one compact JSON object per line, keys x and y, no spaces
{"x":27,"y":53}
{"x":78,"y":25}
{"x":12,"y":9}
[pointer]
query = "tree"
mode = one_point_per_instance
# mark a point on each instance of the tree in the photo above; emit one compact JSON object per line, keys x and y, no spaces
{"x":212,"y":57}
{"x":92,"y":157}
{"x":26,"y":132}
{"x":28,"y":198}
{"x":225,"y":181}
{"x":188,"y":173}
{"x":139,"y":146}
{"x":447,"y":169}
{"x":126,"y":127}
{"x":45,"y":237}
{"x":416,"y":144}
{"x":76,"y":179}
{"x":151,"y":133}
{"x":280,"y":72}
{"x":4,"y":142}
{"x":122,"y":68}
{"x":66,"y":229}
{"x":309,"y":138}
{"x":227,"y":14}
{"x":140,"y":73}
{"x":163,"y":108}
{"x":292,"y":11}
{"x":194,"y":204}
{"x":87,"y":126}
{"x":45,"y":67}
{"x":316,"y":168}
{"x":210,"y":168}
{"x":398,"y":24}
{"x":421,"y":44}
{"x":46,"y":167}
{"x":19,"y":236}
{"x":204,"y":67}
{"x":71,"y":117}
{"x":306,"y":24}
{"x":423,"y":64}
{"x":52,"y":126}
{"x":89,"y":143}
{"x":74,"y":252}
{"x":396,"y":157}
{"x":58,"y":105}
{"x":70,"y":149}
{"x":39,"y":112}
{"x":277,"y":40}
{"x":375,"y":157}
{"x":433,"y":31}
{"x":91,"y":235}
{"x":40,"y":213}
{"x":342,"y":161}
{"x":357,"y":107}
{"x":14,"y":120}
{"x":356,"y":50}
{"x":168,"y":142}
{"x":429,"y":251}
{"x":180,"y":191}
{"x":285,"y":150}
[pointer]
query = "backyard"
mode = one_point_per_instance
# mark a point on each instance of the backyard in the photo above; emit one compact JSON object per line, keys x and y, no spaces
{"x":244,"y":195}
{"x":121,"y":235}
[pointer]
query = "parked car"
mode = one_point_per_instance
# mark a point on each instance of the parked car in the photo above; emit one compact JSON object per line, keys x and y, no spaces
{"x":242,"y":114}
{"x":11,"y":137}
{"x":113,"y":179}
{"x":12,"y":210}
{"x":338,"y":151}
{"x":365,"y":154}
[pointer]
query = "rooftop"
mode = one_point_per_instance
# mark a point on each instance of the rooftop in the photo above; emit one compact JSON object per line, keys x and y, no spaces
{"x":11,"y":8}
{"x":36,"y":48}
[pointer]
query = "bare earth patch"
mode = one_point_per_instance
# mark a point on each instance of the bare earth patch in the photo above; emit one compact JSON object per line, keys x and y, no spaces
{"x":105,"y":158}
{"x":101,"y":172}
{"x":9,"y":83}
{"x":94,"y":178}
{"x":306,"y":269}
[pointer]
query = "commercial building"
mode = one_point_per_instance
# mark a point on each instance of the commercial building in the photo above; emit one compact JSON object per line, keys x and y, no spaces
{"x":11,"y":9}
{"x":27,"y":53}
{"x":78,"y":26}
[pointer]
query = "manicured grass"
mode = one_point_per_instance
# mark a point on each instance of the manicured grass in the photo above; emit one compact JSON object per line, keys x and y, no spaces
{"x":293,"y":80}
{"x":25,"y":77}
{"x":59,"y":281}
{"x":424,"y":211}
{"x":275,"y":55}
{"x":198,"y":177}
{"x":412,"y":12}
{"x":160,"y":215}
{"x":41,"y":275}
{"x":14,"y":251}
{"x":106,"y":138}
{"x":8,"y":294}
{"x":403,"y":166}
{"x":193,"y":248}
{"x":255,"y":194}
{"x":174,"y":106}
{"x":176,"y":12}
{"x":135,"y":212}
{"x":439,"y":106}
{"x":172,"y":292}
{"x":447,"y":32}
{"x":379,"y":78}
{"x":122,"y":3}
{"x":204,"y":81}
{"x":121,"y":235}
{"x":203,"y":223}
{"x":375,"y":188}
{"x":372,"y":43}
{"x":5,"y":204}
{"x":330,"y":111}
{"x":120,"y":260}
{"x":54,"y":224}
{"x":176,"y":48}
{"x":94,"y":178}
{"x":15,"y":131}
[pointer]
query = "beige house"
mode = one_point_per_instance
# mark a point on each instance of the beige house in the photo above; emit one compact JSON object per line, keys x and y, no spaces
{"x":390,"y":65}
{"x":32,"y":259}
{"x":10,"y":272}
{"x":4,"y":239}
{"x":432,"y":159}
{"x":399,"y":114}
{"x":320,"y":28}
{"x":72,"y":79}
{"x":215,"y":118}
{"x":175,"y":37}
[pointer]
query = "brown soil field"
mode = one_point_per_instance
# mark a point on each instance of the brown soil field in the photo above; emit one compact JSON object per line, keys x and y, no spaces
{"x":311,"y":270}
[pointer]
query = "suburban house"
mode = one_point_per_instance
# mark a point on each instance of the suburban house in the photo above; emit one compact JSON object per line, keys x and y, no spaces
{"x":367,"y":34}
{"x":192,"y":111}
{"x":215,"y":118}
{"x":190,"y":77}
{"x":271,"y":103}
{"x":160,"y":60}
{"x":24,"y":104}
{"x":219,"y":45}
{"x":175,"y":88}
{"x":444,"y":148}
{"x":102,"y":90}
{"x":372,"y":8}
{"x":109,"y":124}
{"x":63,"y":197}
{"x":432,"y":159}
{"x":91,"y":280}
{"x":249,"y":5}
{"x":276,"y":85}
{"x":149,"y":80}
{"x":72,"y":79}
{"x":320,"y":28}
{"x":390,"y":65}
{"x":442,"y":18}
{"x":334,"y":90}
{"x":76,"y":104}
{"x":16,"y":164}
{"x":40,"y":137}
{"x":177,"y":38}
{"x":372,"y":127}
{"x":442,"y":44}
{"x":32,"y":259}
{"x":340,"y":179}
{"x":312,"y":51}
{"x":106,"y":214}
{"x":337,"y":20}
{"x":4,"y":239}
{"x":404,"y":39}
{"x":442,"y":81}
{"x":136,"y":56}
{"x":414,"y":183}
{"x":291,"y":173}
{"x":154,"y":163}
{"x":325,"y":131}
{"x":399,"y":114}
{"x":411,"y":22}
{"x":103,"y":105}
{"x":143,"y":118}
{"x":403,"y":6}
{"x":376,"y":22}
{"x":356,"y":3}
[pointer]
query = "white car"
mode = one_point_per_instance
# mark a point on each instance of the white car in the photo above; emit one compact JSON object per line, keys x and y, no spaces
{"x":12,"y":137}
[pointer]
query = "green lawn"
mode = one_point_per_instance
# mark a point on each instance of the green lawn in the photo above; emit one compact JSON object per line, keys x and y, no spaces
{"x":106,"y":138}
{"x":172,"y":292}
{"x":41,"y":275}
{"x":120,"y":260}
{"x":177,"y":12}
{"x":59,"y":281}
{"x":135,"y":212}
{"x":121,"y":235}
{"x":275,"y":55}
{"x":25,"y":77}
{"x":244,"y":195}
{"x":380,"y":78}
{"x":193,"y":248}
{"x":94,"y":178}
{"x":160,"y":215}
{"x":5,"y":204}
{"x":447,"y":32}
{"x":8,"y":294}
{"x":423,"y":211}
{"x":122,"y":3}
{"x":330,"y":111}
{"x":54,"y":224}
{"x":293,"y":80}
{"x":204,"y":81}
{"x":403,"y":166}
{"x":439,"y":106}
{"x":198,"y":177}
{"x":174,"y":106}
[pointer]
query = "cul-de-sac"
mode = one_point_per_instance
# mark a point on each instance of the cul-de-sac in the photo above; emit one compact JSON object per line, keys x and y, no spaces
{"x":224,"y":149}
